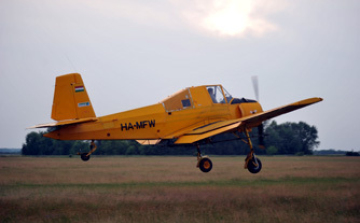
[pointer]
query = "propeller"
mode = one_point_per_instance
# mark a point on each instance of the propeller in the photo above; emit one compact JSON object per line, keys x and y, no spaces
{"x":255,"y":83}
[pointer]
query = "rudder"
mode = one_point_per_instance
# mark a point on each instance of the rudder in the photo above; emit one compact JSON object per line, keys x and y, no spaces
{"x":71,"y":100}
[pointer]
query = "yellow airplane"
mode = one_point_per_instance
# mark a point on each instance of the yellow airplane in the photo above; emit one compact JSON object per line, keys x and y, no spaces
{"x":190,"y":116}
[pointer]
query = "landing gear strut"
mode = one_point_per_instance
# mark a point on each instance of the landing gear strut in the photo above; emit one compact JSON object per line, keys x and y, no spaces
{"x":252,"y":163}
{"x":86,"y":156}
{"x":203,"y":162}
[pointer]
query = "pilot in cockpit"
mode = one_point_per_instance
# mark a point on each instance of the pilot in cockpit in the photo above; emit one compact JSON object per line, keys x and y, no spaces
{"x":212,"y":95}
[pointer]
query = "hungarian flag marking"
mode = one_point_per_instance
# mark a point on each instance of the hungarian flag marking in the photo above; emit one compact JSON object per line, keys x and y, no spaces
{"x":79,"y":89}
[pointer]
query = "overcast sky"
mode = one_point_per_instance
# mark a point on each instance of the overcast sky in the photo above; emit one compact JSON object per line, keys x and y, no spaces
{"x":135,"y":53}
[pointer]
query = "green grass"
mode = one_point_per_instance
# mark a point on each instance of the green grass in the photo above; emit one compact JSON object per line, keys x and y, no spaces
{"x":171,"y":189}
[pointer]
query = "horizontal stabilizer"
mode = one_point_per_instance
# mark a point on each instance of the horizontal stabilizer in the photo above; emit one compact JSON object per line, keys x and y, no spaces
{"x":64,"y":122}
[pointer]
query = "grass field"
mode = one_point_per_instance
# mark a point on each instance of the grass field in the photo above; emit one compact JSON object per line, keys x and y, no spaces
{"x":171,"y":189}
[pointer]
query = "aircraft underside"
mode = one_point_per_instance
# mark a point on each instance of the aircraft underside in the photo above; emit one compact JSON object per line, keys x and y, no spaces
{"x":204,"y":163}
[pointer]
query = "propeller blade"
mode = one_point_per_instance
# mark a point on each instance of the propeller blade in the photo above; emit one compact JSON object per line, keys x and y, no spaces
{"x":255,"y":83}
{"x":255,"y":86}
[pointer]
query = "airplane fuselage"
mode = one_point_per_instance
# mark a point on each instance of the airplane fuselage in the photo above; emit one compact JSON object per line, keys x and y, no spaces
{"x":186,"y":117}
{"x":165,"y":120}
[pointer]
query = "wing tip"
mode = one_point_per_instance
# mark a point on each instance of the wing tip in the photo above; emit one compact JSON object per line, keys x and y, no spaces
{"x":309,"y":101}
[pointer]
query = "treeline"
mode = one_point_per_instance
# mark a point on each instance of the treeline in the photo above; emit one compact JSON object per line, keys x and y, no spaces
{"x":328,"y":152}
{"x":288,"y":138}
{"x":10,"y":151}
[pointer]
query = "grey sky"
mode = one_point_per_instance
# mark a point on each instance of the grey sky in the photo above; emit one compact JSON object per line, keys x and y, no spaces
{"x":135,"y":53}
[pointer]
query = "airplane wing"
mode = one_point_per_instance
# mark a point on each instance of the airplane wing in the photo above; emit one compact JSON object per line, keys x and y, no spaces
{"x":64,"y":122}
{"x":237,"y":124}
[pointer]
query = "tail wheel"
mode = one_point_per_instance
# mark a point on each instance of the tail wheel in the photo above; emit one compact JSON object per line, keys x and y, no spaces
{"x":205,"y":165}
{"x":254,"y":165}
{"x":84,"y":157}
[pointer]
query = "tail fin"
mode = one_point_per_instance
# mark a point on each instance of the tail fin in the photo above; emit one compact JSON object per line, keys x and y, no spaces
{"x":71,"y":100}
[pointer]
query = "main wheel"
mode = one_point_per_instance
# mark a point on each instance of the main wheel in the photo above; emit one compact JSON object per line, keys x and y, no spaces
{"x":84,"y":157}
{"x":254,"y":165}
{"x":205,"y":165}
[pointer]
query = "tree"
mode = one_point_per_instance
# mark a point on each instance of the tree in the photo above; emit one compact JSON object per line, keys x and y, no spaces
{"x":272,"y":150}
{"x":292,"y":138}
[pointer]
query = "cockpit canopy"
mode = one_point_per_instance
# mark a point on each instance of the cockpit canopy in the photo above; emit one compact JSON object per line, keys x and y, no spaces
{"x":184,"y":99}
{"x":218,"y":94}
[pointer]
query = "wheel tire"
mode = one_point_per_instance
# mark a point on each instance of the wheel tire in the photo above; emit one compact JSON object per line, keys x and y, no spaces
{"x":251,"y":166}
{"x":84,"y":157}
{"x":205,"y":165}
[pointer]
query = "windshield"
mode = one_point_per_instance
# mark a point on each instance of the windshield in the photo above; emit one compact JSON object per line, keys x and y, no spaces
{"x":227,"y":95}
{"x":217,"y":96}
